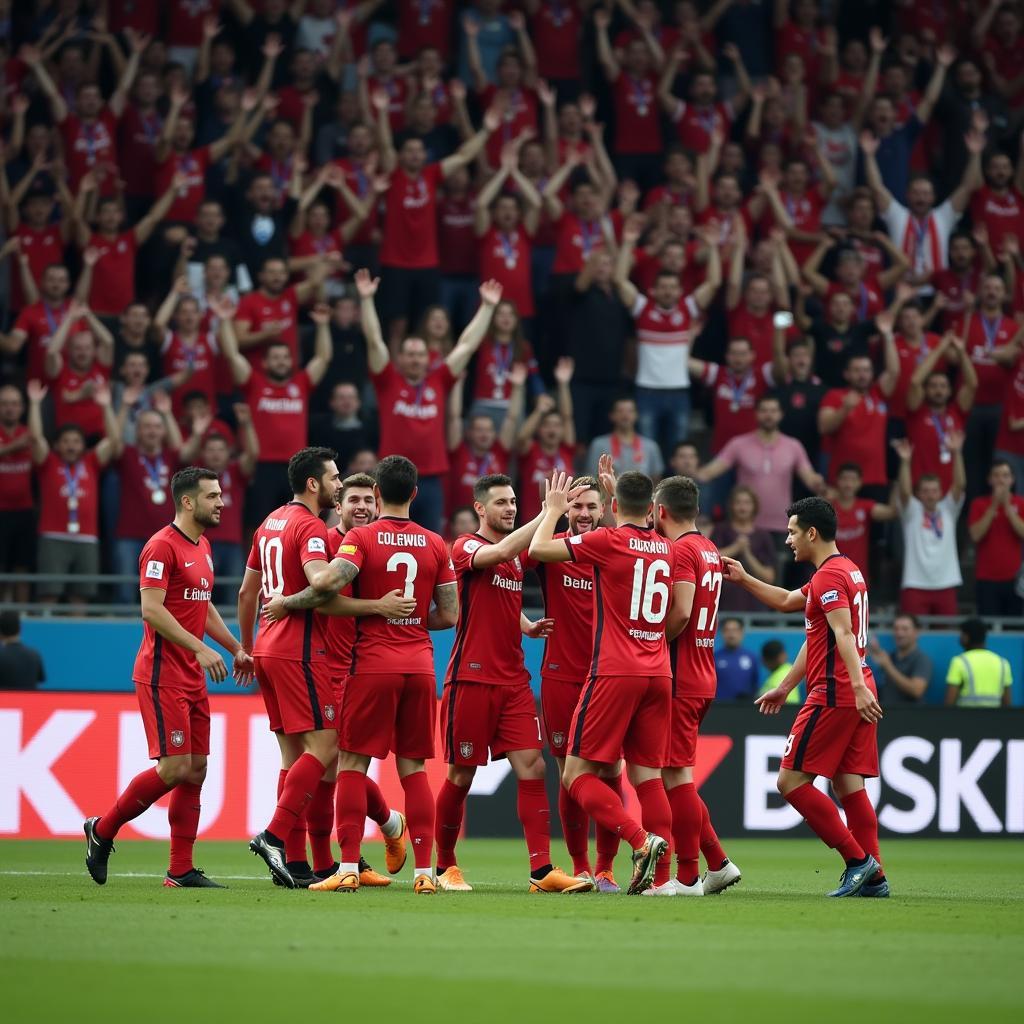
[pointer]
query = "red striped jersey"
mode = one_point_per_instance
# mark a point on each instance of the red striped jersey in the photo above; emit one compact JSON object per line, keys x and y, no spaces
{"x":663,"y":339}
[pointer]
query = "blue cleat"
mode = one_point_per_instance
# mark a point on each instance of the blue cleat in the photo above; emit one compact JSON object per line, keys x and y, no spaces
{"x":878,"y":890}
{"x":855,"y":877}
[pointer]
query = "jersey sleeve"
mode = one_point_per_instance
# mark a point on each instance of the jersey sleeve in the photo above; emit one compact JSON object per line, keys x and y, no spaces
{"x":155,"y":564}
{"x":684,"y":569}
{"x":353,"y":548}
{"x":588,"y":548}
{"x":311,"y":539}
{"x":463,"y":551}
{"x":828,"y":591}
{"x":253,"y":561}
{"x":445,"y":569}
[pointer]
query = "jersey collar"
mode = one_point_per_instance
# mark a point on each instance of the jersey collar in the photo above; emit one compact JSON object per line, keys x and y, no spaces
{"x":177,"y":529}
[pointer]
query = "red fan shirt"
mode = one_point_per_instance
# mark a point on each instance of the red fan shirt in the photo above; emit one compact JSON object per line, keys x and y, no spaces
{"x":62,"y":485}
{"x":535,"y":467}
{"x":191,"y":194}
{"x":505,"y":257}
{"x":137,"y":138}
{"x":861,"y":437}
{"x":15,"y":470}
{"x":456,"y":236}
{"x":1002,"y":214}
{"x":259,"y":310}
{"x":467,"y":468}
{"x":146,"y":500}
{"x":83,"y":412}
{"x":555,"y":31}
{"x":735,"y":400}
{"x":998,"y":553}
{"x":113,"y":277}
{"x":42,"y":246}
{"x":279,"y":413}
{"x":410,"y":224}
{"x":853,"y":532}
{"x":984,"y":334}
{"x":88,"y":145}
{"x":412,"y":417}
{"x":637,"y":115}
{"x":425,"y":23}
{"x":927,"y":431}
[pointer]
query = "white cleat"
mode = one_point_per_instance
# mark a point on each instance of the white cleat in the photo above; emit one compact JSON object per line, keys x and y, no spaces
{"x":720,"y":880}
{"x":667,"y":889}
{"x":586,"y":876}
{"x":697,"y":889}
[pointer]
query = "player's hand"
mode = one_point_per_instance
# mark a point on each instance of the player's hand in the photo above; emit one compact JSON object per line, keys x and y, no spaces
{"x":243,"y":669}
{"x":867,"y":704}
{"x":213,"y":663}
{"x":539,"y":629}
{"x":606,"y":474}
{"x":771,"y":701}
{"x":559,"y":493}
{"x":274,"y":609}
{"x":733,"y":570}
{"x":393,"y":605}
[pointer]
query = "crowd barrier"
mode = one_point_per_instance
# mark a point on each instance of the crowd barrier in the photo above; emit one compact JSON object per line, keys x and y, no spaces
{"x":66,"y":756}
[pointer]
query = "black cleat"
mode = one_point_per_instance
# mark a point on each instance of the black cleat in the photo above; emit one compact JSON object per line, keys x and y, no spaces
{"x":332,"y":870}
{"x":194,"y":879}
{"x":273,"y":857}
{"x":302,"y":874}
{"x":97,"y":852}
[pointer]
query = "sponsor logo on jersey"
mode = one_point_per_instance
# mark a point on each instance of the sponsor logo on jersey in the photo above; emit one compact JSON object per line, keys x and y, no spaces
{"x":195,"y":594}
{"x":506,"y":584}
{"x":154,"y":570}
{"x":204,"y":583}
{"x":316,"y":546}
{"x":829,"y":597}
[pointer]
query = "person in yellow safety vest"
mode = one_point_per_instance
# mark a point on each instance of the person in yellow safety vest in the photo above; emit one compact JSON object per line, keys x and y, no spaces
{"x":773,"y":657}
{"x":978,"y":678}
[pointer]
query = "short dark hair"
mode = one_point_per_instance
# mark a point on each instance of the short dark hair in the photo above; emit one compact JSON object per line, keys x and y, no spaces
{"x":816,"y":512}
{"x":680,"y":495}
{"x":306,"y":463}
{"x":910,"y":617}
{"x":10,"y":622}
{"x":732,"y":618}
{"x":634,"y":492}
{"x":68,"y":428}
{"x":849,"y":467}
{"x":769,"y":396}
{"x":357,"y":480}
{"x":996,"y":463}
{"x":771,"y":650}
{"x":187,"y":481}
{"x":485,"y":483}
{"x":396,"y":479}
{"x":974,"y":631}
{"x":191,"y":396}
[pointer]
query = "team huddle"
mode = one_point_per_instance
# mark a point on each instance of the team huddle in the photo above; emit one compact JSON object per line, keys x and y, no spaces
{"x":344,"y":662}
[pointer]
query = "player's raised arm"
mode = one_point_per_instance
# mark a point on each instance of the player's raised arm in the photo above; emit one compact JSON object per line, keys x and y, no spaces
{"x":156,"y":615}
{"x":841,"y":624}
{"x":771,"y":701}
{"x":779,"y":598}
{"x":377,"y":355}
{"x":558,"y":496}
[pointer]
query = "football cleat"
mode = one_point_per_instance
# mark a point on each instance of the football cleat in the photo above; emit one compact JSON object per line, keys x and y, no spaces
{"x":452,"y":880}
{"x":644,"y":862}
{"x":720,"y":880}
{"x":273,"y":857}
{"x":586,"y":876}
{"x":194,"y":879}
{"x":97,"y":852}
{"x":370,"y":878}
{"x":697,"y":889}
{"x":877,"y":890}
{"x":854,"y":878}
{"x":665,"y":889}
{"x":394,"y":850}
{"x":423,"y":885}
{"x":556,"y":880}
{"x":302,"y":874}
{"x":606,"y":882}
{"x":327,"y":872}
{"x":338,"y":882}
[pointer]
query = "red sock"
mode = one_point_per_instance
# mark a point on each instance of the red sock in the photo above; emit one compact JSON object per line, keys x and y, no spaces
{"x":350,"y":814}
{"x":575,"y":831}
{"x":281,"y":776}
{"x":299,"y":787}
{"x":141,"y":793}
{"x":295,"y":841}
{"x":535,"y":815}
{"x":419,"y":817}
{"x":608,"y":841}
{"x":183,"y":816}
{"x":823,"y":817}
{"x":686,"y":818}
{"x":376,"y":806}
{"x":709,"y":844}
{"x":862,"y":822}
{"x":320,"y":824}
{"x":602,"y":805}
{"x":657,"y":818}
{"x":451,"y":804}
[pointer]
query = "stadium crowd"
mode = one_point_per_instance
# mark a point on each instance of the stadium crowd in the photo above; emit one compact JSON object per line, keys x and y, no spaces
{"x":772,"y":246}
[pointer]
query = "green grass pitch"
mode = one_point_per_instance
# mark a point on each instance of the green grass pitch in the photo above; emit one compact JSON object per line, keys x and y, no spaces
{"x":948,"y":946}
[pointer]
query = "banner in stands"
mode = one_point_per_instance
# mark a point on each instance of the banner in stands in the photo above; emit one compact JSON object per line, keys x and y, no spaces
{"x":66,"y":756}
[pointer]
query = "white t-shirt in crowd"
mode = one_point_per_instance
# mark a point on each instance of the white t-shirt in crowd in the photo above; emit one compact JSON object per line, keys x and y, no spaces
{"x":930,"y":558}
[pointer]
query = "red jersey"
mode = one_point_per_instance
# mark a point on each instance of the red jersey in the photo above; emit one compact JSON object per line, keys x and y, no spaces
{"x":575,"y":240}
{"x":868,"y":300}
{"x":191,"y":194}
{"x":637,"y":116}
{"x":146,"y":499}
{"x":954,"y":286}
{"x":696,"y":125}
{"x":392,"y":554}
{"x":183,"y":568}
{"x":505,"y":257}
{"x":488,"y":644}
{"x":727,"y":224}
{"x":692,"y":653}
{"x":861,"y":437}
{"x":308,"y":244}
{"x":467,"y":468}
{"x":984,"y":334}
{"x":88,"y":145}
{"x":83,"y":412}
{"x":633,"y":578}
{"x":339,"y":630}
{"x":42,"y":247}
{"x":201,"y":356}
{"x":289,"y":538}
{"x":555,"y":31}
{"x":412,"y":417}
{"x":279,"y":413}
{"x":758,"y":329}
{"x":398,"y":94}
{"x":40,"y":322}
{"x":838,"y":583}
{"x":15,"y":470}
{"x":806,"y":42}
{"x":410,"y":225}
{"x":1008,"y":55}
{"x":998,"y":553}
{"x":535,"y":467}
{"x":113,"y":277}
{"x":359,"y":182}
{"x":136,"y":14}
{"x":871,"y":253}
{"x":805,"y":213}
{"x":853,"y":532}
{"x":62,"y":485}
{"x":568,"y":590}
{"x":519,"y":114}
{"x":1002,"y":214}
{"x":456,"y":236}
{"x":927,"y":432}
{"x":233,"y":483}
{"x":666,"y":195}
{"x":185,"y":24}
{"x":910,"y":357}
{"x":493,"y":363}
{"x":259,"y":310}
{"x":1008,"y":440}
{"x":735,"y":400}
{"x":422,"y":24}
{"x":137,"y":138}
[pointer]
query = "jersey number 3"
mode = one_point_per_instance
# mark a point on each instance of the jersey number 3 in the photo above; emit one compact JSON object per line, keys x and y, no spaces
{"x":403,"y":560}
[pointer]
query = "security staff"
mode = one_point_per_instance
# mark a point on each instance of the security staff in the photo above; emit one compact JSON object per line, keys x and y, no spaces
{"x":978,"y":678}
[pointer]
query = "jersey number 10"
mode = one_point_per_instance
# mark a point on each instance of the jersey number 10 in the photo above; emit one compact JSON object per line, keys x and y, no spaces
{"x":271,"y":551}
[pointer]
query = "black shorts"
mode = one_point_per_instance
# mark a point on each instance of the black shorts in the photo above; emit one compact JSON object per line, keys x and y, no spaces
{"x":406,"y":294}
{"x":18,"y":539}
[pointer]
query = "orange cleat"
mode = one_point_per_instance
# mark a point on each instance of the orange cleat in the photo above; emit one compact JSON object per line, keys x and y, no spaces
{"x":423,"y":885}
{"x":606,"y":882}
{"x":394,"y":850}
{"x":338,"y":882}
{"x":556,"y":880}
{"x":452,"y":880}
{"x":373,"y":879}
